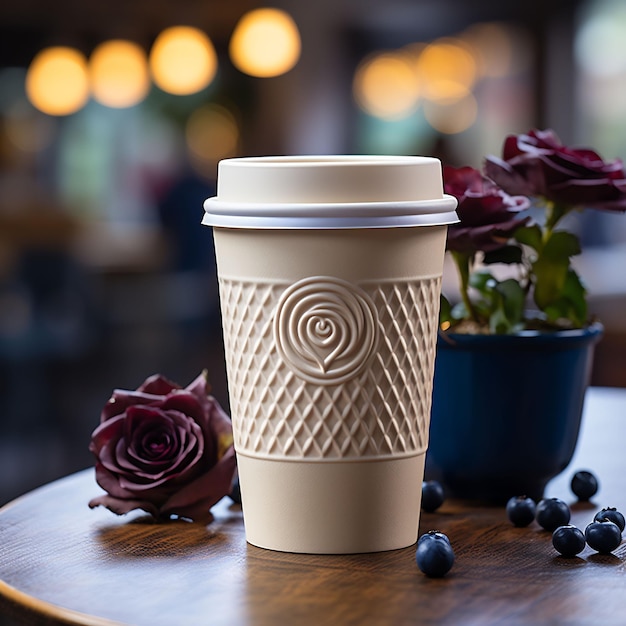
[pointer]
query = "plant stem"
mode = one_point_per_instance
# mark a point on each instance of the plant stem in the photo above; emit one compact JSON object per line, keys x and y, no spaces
{"x":462,"y":262}
{"x":526,"y":272}
{"x":554,"y":213}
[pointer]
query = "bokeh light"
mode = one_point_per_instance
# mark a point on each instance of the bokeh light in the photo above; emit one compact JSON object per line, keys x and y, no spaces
{"x":447,"y":70}
{"x":265,"y":43}
{"x":118,"y":71}
{"x":600,"y":48}
{"x":183,"y":60}
{"x":386,"y":86}
{"x":453,"y":116}
{"x":212,"y":133}
{"x":600,"y":44}
{"x":57,"y":81}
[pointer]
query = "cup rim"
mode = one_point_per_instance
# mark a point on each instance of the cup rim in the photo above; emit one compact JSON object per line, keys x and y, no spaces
{"x":438,"y":212}
{"x":330,"y":160}
{"x":329,"y":191}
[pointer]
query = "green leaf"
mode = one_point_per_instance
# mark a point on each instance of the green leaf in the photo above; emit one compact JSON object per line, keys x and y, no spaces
{"x":576,"y":295}
{"x":484,"y":307}
{"x":513,"y":300}
{"x":507,"y":312}
{"x":445,"y":310}
{"x":552,"y":277}
{"x":562,"y":314}
{"x":506,"y":254}
{"x":499,"y":323}
{"x":570,"y":303}
{"x":530,"y":236}
{"x":482,"y":280}
{"x":561,"y":245}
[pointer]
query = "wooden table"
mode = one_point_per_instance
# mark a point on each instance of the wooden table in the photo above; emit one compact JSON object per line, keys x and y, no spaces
{"x":64,"y":563}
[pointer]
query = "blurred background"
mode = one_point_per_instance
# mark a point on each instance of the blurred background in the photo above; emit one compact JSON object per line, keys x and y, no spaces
{"x":113,"y":116}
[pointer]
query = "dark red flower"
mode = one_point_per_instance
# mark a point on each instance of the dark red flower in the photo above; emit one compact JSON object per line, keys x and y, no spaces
{"x":537,"y":164}
{"x":488,"y":215}
{"x":163,"y":449}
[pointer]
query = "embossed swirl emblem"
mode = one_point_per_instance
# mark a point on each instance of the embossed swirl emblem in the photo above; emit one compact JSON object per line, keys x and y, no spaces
{"x":325,"y":329}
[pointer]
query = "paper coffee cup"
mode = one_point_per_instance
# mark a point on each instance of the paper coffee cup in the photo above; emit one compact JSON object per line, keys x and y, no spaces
{"x":329,"y":274}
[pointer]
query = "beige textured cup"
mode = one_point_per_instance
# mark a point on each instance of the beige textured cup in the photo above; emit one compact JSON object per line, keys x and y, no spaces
{"x":329,"y":274}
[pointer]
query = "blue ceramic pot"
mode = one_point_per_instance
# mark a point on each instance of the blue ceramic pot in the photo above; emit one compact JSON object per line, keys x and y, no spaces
{"x":506,"y":410}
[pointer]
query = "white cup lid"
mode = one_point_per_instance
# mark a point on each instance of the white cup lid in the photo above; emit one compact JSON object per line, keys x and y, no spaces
{"x":329,"y":192}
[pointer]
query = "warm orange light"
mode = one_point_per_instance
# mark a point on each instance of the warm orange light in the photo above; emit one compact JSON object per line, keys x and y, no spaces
{"x":183,"y":60}
{"x":212,"y":133}
{"x":119,"y":73}
{"x":57,"y":82}
{"x":447,"y":69}
{"x":385,"y":86}
{"x":265,"y":42}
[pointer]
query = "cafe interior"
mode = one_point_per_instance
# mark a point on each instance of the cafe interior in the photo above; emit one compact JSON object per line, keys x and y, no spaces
{"x":114,"y":115}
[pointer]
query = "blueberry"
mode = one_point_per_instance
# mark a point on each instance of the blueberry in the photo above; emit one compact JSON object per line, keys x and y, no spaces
{"x":613,"y":515}
{"x":603,"y":536}
{"x":432,"y":534}
{"x":584,"y":485}
{"x":568,"y":540}
{"x":521,"y":510}
{"x":552,"y":513}
{"x":235,"y":491}
{"x":432,"y":495}
{"x":434,"y":555}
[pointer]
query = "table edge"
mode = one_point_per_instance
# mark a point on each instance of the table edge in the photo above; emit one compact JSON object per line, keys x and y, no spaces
{"x":22,"y":601}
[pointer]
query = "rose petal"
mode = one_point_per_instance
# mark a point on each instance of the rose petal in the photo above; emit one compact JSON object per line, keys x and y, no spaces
{"x":513,"y":181}
{"x":110,"y":483}
{"x":195,"y":499}
{"x":488,"y":215}
{"x":538,"y":164}
{"x":190,"y":448}
{"x":158,"y":385}
{"x":122,"y":506}
{"x":186,"y":403}
{"x":121,"y":399}
{"x":200,"y":386}
{"x":107,"y":431}
{"x":142,"y":422}
{"x":161,"y":447}
{"x":485,"y":238}
{"x":221,"y":424}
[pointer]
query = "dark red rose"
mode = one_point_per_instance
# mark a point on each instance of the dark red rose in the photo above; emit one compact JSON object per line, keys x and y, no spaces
{"x":164,"y":449}
{"x":488,"y":215}
{"x":537,"y":164}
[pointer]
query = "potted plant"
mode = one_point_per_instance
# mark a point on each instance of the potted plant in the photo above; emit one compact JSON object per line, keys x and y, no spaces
{"x":515,"y":352}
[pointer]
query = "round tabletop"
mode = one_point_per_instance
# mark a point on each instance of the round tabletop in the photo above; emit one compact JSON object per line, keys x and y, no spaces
{"x":61,"y":562}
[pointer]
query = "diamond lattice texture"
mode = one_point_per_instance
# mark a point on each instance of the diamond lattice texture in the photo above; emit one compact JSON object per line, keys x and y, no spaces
{"x":383,"y":411}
